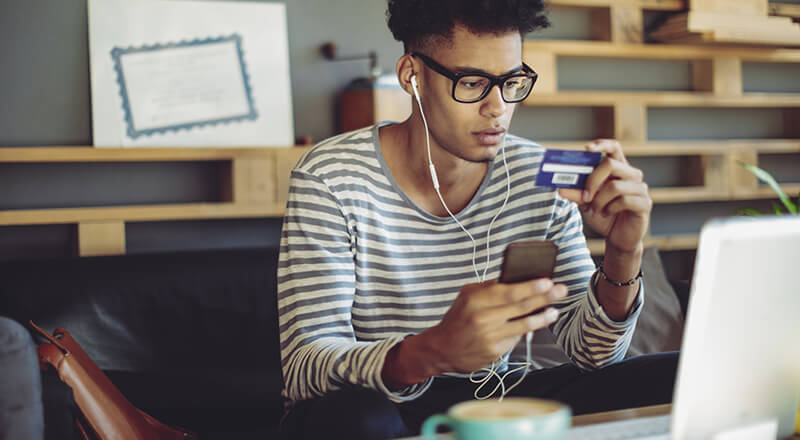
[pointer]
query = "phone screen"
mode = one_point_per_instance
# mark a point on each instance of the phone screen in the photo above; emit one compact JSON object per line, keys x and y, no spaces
{"x":526,"y":260}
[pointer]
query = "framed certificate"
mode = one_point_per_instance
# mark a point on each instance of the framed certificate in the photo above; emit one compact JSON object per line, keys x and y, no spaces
{"x":189,"y":73}
{"x":182,"y":86}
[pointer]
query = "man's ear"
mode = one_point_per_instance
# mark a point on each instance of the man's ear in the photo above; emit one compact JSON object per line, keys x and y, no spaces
{"x":406,"y":68}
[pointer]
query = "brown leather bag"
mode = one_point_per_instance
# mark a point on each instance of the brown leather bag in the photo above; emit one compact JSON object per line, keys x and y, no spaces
{"x":108,"y":413}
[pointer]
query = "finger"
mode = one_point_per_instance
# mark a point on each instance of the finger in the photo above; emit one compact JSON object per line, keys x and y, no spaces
{"x":503,"y":294}
{"x":573,"y":195}
{"x":530,"y":323}
{"x":614,"y":189}
{"x":609,"y":169}
{"x":610,"y":147}
{"x":632,"y":203}
{"x":527,"y":306}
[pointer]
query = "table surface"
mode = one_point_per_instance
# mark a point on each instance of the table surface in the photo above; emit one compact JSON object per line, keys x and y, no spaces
{"x":611,"y":416}
{"x":623,"y":414}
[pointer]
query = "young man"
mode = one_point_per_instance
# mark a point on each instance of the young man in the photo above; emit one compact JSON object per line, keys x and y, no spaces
{"x":378,"y":292}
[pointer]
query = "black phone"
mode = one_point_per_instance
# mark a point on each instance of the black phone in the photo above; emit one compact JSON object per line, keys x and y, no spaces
{"x":526,"y":260}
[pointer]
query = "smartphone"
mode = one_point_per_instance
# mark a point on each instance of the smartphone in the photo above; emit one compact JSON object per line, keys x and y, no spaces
{"x":526,"y":260}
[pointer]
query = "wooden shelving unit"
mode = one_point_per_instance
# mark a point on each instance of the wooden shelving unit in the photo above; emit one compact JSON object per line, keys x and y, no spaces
{"x":712,"y":173}
{"x":255,"y":184}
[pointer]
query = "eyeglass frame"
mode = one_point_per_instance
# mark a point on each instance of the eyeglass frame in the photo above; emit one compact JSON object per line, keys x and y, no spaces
{"x":526,"y":71}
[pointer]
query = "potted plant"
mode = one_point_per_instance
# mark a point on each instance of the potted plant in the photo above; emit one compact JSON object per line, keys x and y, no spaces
{"x":791,"y":208}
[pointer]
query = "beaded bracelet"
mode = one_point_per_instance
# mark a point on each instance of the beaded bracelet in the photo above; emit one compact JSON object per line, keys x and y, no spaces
{"x":630,"y":282}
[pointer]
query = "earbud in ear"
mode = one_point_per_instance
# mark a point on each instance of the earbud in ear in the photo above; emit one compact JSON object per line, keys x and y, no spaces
{"x":414,"y":81}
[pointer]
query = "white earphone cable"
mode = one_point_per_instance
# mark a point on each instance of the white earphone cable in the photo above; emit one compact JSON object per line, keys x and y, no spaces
{"x":492,"y":370}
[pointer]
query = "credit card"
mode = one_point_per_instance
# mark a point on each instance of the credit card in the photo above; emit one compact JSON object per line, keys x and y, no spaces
{"x":566,"y":168}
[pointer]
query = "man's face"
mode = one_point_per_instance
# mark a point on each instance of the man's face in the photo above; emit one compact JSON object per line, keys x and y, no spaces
{"x":475,"y":131}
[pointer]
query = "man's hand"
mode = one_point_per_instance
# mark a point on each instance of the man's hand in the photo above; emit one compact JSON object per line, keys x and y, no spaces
{"x":484,"y":322}
{"x":615,"y":201}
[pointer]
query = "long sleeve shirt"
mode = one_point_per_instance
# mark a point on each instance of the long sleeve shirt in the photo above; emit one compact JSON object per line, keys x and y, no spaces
{"x":362,"y":266}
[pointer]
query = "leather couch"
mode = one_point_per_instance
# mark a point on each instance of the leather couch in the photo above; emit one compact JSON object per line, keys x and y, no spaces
{"x":190,"y":337}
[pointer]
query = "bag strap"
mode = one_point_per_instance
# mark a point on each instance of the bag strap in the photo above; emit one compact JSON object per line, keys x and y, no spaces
{"x":53,"y":340}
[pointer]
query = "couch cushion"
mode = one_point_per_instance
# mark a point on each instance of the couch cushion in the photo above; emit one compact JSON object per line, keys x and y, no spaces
{"x":659,"y":328}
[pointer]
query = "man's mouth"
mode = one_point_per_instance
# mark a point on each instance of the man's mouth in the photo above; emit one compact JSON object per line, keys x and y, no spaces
{"x":491,"y":136}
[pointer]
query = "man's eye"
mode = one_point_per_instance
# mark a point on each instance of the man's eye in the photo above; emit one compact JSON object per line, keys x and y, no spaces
{"x":473,"y":83}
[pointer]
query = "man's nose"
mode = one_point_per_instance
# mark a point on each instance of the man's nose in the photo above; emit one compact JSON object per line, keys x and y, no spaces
{"x":493,"y":102}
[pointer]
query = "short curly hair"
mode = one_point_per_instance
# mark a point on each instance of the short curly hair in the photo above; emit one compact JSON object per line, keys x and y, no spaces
{"x":415,"y":22}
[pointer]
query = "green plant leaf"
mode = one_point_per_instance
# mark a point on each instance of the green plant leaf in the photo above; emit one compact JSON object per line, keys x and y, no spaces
{"x":769,"y":180}
{"x":749,"y":211}
{"x":777,"y":208}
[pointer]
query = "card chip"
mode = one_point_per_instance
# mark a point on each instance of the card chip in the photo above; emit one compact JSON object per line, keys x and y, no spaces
{"x":565,"y":179}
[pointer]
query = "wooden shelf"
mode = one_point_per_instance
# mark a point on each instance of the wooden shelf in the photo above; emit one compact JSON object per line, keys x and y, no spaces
{"x":681,"y":242}
{"x":605,"y":49}
{"x":784,"y":10}
{"x":255,"y":185}
{"x":654,"y":5}
{"x":691,"y":147}
{"x":662,"y":99}
{"x":148,"y":154}
{"x":143,"y":213}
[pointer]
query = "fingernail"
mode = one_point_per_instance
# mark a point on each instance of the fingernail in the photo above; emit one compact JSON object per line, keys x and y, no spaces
{"x":590,"y":212}
{"x":545,"y":284}
{"x":551,"y":315}
{"x":586,"y":198}
{"x":558,"y":293}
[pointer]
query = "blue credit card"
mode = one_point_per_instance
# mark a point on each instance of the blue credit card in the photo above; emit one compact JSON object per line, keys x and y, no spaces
{"x":566,"y":168}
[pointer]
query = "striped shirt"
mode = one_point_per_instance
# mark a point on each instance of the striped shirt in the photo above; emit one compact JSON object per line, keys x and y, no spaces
{"x":362,"y":266}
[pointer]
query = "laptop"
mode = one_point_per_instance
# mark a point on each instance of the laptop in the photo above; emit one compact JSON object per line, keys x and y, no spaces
{"x":739,"y":368}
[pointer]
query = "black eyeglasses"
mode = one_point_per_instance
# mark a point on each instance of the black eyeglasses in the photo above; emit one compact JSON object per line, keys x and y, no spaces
{"x":472,"y":87}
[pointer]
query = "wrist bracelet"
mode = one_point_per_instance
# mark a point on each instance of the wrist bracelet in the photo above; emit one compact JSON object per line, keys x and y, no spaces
{"x":630,"y":282}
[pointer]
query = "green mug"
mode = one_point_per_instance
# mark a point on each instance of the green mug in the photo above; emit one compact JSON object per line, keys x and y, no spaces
{"x":514,"y":418}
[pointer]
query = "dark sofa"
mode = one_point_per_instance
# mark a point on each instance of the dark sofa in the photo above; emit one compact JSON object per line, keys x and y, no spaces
{"x":192,"y":337}
{"x":189,"y":337}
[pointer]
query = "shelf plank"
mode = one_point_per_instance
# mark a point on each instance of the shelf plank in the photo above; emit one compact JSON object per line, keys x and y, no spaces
{"x":685,"y":194}
{"x":604,"y":49}
{"x":784,"y":9}
{"x":764,"y":192}
{"x":287,"y":157}
{"x":92,"y":154}
{"x":662,"y":99}
{"x":653,"y":5}
{"x":680,"y":242}
{"x":101,"y":238}
{"x":690,"y":148}
{"x":143,"y":213}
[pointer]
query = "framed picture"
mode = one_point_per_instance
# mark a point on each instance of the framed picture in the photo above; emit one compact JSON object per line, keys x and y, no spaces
{"x":189,"y":73}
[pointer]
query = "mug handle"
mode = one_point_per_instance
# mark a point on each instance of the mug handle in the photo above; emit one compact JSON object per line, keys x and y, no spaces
{"x":433,"y":422}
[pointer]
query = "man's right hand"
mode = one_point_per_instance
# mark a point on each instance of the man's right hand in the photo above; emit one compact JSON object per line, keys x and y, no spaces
{"x":485,"y":321}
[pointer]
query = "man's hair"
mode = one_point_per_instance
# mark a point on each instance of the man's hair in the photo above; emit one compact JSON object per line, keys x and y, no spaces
{"x":415,"y":22}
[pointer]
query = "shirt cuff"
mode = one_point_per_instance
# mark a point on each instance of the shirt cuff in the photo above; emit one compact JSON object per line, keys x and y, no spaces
{"x":600,"y":313}
{"x":406,"y":394}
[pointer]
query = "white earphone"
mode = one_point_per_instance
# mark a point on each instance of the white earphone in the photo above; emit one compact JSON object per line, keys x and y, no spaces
{"x":492,"y":371}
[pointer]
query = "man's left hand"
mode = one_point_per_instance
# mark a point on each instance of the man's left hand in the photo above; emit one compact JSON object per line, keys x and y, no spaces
{"x":615,"y":200}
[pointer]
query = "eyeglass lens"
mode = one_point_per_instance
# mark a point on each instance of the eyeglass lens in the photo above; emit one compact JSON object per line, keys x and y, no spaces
{"x":471,"y":88}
